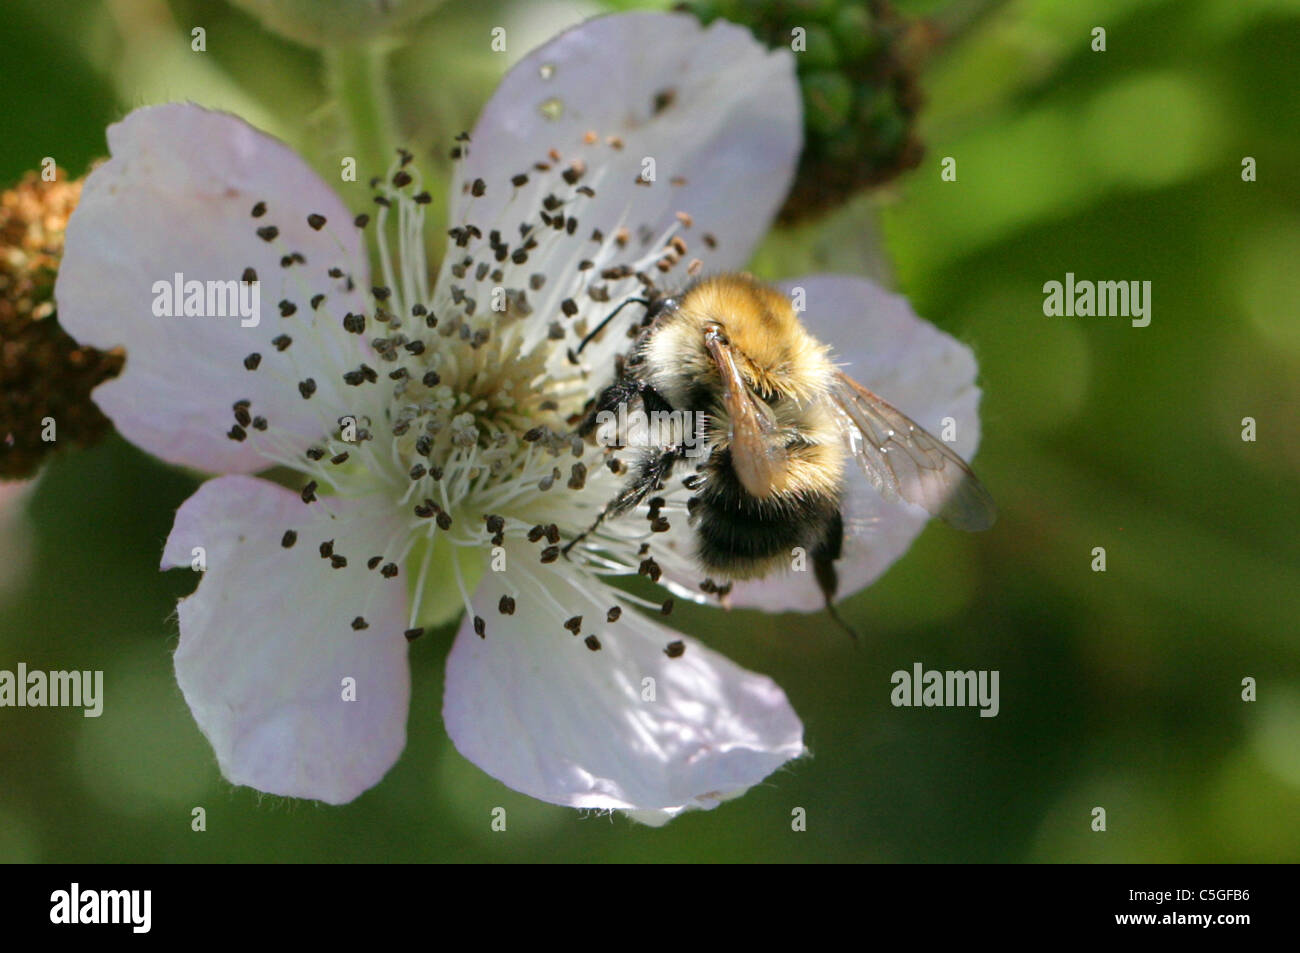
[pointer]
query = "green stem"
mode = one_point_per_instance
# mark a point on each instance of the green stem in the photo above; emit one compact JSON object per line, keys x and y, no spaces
{"x":357,"y":79}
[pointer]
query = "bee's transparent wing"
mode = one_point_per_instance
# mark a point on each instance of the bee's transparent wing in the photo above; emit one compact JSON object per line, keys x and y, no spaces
{"x":902,"y":460}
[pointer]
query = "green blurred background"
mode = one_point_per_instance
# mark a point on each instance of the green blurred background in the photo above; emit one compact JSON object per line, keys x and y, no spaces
{"x":1119,"y":689}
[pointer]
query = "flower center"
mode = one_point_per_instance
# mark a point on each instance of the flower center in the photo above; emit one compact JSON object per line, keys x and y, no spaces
{"x":468,"y":394}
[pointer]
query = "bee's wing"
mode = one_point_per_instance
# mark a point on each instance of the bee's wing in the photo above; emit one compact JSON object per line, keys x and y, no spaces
{"x":903,"y":460}
{"x":757,"y":454}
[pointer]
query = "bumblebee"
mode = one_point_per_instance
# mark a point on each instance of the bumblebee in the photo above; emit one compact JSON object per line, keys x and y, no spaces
{"x":780,"y":423}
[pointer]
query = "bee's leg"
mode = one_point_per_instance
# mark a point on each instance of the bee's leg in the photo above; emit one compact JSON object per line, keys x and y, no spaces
{"x":584,"y":534}
{"x":824,"y":556}
{"x":649,"y":476}
{"x":619,"y":392}
{"x":655,"y":403}
{"x":651,"y":399}
{"x":652,"y":473}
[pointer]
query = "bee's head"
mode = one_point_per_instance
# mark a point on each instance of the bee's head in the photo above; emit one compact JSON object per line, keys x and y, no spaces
{"x":757,"y":322}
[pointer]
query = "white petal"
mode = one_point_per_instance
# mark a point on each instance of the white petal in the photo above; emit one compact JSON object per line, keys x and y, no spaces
{"x":537,"y":709}
{"x":267,"y":640}
{"x":176,"y":198}
{"x":732,"y":130}
{"x":878,"y":340}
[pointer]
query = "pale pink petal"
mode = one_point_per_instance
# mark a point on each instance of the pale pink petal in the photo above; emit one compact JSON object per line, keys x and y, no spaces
{"x":267,"y":641}
{"x":177,"y":197}
{"x":625,"y":727}
{"x":709,"y":105}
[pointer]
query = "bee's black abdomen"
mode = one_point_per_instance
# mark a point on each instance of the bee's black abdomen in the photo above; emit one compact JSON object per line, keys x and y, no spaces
{"x":741,"y":537}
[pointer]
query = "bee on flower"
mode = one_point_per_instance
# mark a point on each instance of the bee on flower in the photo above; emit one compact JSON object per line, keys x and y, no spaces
{"x":437,"y":424}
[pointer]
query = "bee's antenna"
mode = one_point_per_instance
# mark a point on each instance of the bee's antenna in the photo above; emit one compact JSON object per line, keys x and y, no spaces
{"x":604,"y":321}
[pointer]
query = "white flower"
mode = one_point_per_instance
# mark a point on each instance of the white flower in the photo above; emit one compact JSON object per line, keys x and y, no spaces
{"x":465,"y":455}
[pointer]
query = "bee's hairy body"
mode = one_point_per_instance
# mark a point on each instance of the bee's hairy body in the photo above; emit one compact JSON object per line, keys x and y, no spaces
{"x":742,"y":537}
{"x":746,"y":529}
{"x":779,"y":422}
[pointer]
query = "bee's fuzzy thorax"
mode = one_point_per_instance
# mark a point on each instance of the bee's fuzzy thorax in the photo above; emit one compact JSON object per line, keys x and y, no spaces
{"x":777,"y":353}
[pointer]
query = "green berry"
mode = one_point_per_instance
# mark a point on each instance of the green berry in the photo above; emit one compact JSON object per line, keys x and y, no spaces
{"x":828,"y":101}
{"x":819,"y":50}
{"x":855,"y":33}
